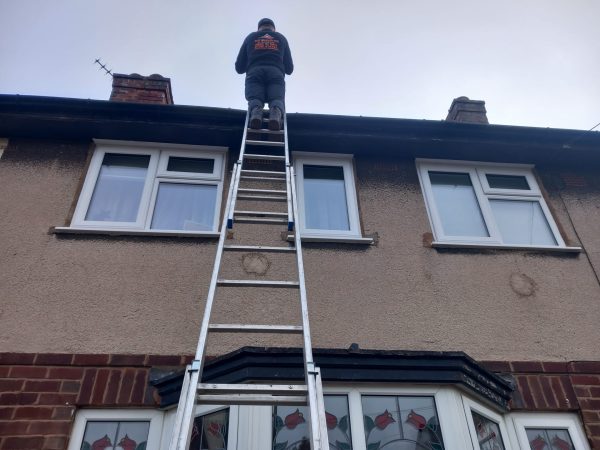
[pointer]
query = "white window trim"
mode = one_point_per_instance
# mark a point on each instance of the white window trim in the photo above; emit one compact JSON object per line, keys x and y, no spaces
{"x":567,"y":421}
{"x":115,"y":415}
{"x":477,"y":172}
{"x":159,"y":154}
{"x":328,"y":159}
{"x":233,"y":429}
{"x":469,"y":406}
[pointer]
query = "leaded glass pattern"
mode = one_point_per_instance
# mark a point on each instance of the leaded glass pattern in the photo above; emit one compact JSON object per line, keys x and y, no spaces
{"x":549,"y":439}
{"x":401,"y":423}
{"x":210,"y":431}
{"x":290,"y":425}
{"x":488,"y":433}
{"x":108,"y":435}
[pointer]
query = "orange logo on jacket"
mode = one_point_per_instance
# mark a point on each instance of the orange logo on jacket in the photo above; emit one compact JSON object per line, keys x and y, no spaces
{"x":266,"y":42}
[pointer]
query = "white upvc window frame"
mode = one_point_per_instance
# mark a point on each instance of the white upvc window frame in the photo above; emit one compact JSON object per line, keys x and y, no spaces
{"x":564,"y":421}
{"x":83,"y":416}
{"x":336,"y":160}
{"x":477,"y":172}
{"x":470,"y":406}
{"x":157,"y":173}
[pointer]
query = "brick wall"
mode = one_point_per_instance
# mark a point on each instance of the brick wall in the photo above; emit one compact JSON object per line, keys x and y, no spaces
{"x":39,"y":393}
{"x":557,"y":386}
{"x":135,"y":88}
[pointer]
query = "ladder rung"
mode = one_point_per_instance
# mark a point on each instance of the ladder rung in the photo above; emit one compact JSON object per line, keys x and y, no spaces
{"x":264,"y":131}
{"x":270,"y":198}
{"x":264,"y":157}
{"x":260,"y":213}
{"x":263,"y":191}
{"x":262,"y":172}
{"x":261,"y":178}
{"x":272,"y":221}
{"x":245,"y":328}
{"x":270,"y":389}
{"x":252,"y":399}
{"x":258,"y":283}
{"x":258,"y":248}
{"x":265,"y":143}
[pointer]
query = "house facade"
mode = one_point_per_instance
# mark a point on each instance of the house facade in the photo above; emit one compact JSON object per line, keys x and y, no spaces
{"x":451,"y":269}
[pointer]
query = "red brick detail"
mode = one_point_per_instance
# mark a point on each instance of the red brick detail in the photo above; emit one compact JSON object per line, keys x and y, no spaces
{"x":57,"y":399}
{"x":127,"y":360}
{"x":50,"y":427}
{"x":584,"y":367}
{"x":22,"y":443}
{"x":18,"y":398}
{"x":100,"y":386}
{"x":496,"y":366}
{"x":16,"y":358}
{"x":13,"y":427}
{"x":55,"y":443}
{"x":163,"y":360}
{"x":42,"y":386}
{"x":85,"y":394}
{"x":90,"y":360}
{"x":72,"y":387}
{"x":555,"y":367}
{"x":126,"y":386}
{"x":139,"y":89}
{"x":53,"y":359}
{"x":112,"y":389}
{"x":63,"y":412}
{"x":66,"y":373}
{"x":139,"y":387}
{"x":6,"y":413}
{"x":27,"y":372}
{"x":527,"y":366}
{"x":34,"y":412}
{"x":9,"y":385}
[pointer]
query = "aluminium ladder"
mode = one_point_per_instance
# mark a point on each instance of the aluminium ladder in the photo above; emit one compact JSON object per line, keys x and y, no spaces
{"x":310,"y":394}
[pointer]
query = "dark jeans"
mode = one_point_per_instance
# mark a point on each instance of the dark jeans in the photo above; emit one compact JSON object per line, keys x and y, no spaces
{"x":265,"y":84}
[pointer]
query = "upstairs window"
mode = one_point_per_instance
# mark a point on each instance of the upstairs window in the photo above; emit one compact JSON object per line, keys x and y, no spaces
{"x":326,"y":196}
{"x":476,"y":203}
{"x":149,"y":187}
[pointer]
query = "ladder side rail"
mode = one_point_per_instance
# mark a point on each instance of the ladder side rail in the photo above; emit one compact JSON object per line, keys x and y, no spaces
{"x":185,"y":387}
{"x":182,"y":430}
{"x":319,"y":442}
{"x":235,"y":179}
{"x":321,"y":409}
{"x":288,"y":177}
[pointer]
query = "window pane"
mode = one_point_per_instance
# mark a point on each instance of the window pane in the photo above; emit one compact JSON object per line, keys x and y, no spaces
{"x":119,"y":188}
{"x":290,"y":427}
{"x":401,"y":423}
{"x":522,"y":222}
{"x":548,"y":439}
{"x":508,"y":182}
{"x":325,"y":201}
{"x":488,"y":433}
{"x":210,"y":431}
{"x":189,"y":207}
{"x":192,"y":165}
{"x":118,"y":435}
{"x":457,"y":204}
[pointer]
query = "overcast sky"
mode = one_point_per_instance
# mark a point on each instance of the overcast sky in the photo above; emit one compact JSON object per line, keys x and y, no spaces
{"x":534,"y":62}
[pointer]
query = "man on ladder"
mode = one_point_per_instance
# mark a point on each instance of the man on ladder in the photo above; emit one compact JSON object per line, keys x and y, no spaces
{"x":265,"y":58}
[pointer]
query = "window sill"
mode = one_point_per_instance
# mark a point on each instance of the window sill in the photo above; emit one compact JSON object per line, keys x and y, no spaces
{"x":124,"y":232}
{"x":506,"y":247}
{"x":333,"y":239}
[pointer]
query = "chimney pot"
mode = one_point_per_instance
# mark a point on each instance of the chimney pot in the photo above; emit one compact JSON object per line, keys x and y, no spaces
{"x":469,"y":111}
{"x":136,"y":88}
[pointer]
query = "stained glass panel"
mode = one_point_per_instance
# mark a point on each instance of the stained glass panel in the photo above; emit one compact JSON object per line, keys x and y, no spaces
{"x":210,"y":431}
{"x":117,"y":435}
{"x":401,"y":423}
{"x":488,"y":433}
{"x":290,"y":425}
{"x":549,"y":439}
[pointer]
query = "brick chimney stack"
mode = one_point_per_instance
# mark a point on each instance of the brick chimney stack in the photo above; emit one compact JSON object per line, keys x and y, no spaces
{"x":138,"y":89}
{"x":469,"y":111}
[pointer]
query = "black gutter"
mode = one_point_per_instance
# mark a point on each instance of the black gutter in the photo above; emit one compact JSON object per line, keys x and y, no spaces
{"x":360,"y":366}
{"x":66,"y":118}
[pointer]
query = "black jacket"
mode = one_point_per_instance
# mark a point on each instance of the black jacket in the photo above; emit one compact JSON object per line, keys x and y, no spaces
{"x":265,"y":48}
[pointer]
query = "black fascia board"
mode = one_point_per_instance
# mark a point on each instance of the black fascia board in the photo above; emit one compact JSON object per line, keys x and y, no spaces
{"x":362,"y":366}
{"x":68,"y":118}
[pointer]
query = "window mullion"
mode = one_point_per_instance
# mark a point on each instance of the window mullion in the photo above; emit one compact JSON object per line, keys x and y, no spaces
{"x":357,"y":425}
{"x":148,"y":186}
{"x":485,"y":207}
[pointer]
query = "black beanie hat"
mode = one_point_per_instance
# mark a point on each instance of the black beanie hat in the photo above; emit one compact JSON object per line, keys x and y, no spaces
{"x":265,"y":21}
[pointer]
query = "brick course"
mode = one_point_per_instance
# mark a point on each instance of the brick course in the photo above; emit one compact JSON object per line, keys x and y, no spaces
{"x":39,"y":393}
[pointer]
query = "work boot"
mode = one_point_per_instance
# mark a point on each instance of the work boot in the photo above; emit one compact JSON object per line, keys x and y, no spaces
{"x":256,"y":118}
{"x":275,"y":117}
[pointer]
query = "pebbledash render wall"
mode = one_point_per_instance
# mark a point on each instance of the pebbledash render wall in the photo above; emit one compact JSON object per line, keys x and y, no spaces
{"x":144,"y":295}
